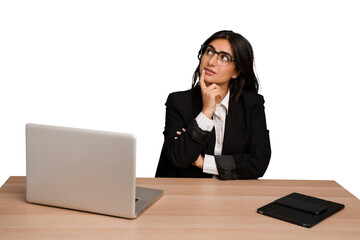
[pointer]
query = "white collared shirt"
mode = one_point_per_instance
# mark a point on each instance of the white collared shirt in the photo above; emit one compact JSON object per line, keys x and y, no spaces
{"x":217,"y":121}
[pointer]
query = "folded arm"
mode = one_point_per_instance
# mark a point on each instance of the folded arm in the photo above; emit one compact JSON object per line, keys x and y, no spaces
{"x":182,"y":150}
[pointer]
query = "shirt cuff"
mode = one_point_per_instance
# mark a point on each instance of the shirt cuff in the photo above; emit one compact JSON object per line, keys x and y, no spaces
{"x":210,"y":165}
{"x":204,"y":122}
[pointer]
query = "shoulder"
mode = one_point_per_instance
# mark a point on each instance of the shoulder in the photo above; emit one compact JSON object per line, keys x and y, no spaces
{"x":182,"y":96}
{"x":252,"y":98}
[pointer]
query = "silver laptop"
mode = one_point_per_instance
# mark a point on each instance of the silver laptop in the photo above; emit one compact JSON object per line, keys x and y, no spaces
{"x":86,"y":170}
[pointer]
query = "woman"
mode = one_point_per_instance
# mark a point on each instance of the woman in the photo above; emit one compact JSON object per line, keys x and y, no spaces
{"x":218,"y":127}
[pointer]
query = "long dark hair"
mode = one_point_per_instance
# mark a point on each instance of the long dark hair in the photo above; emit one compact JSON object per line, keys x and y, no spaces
{"x":244,"y":60}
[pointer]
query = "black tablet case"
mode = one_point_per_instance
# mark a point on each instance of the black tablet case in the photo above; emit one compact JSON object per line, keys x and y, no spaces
{"x":300,"y":209}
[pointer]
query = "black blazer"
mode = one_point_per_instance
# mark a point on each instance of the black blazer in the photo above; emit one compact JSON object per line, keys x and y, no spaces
{"x":246,"y":147}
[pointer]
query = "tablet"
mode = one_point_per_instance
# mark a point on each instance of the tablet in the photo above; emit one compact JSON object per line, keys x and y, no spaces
{"x":301,"y":209}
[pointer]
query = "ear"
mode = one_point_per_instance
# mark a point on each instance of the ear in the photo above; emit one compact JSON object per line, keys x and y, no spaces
{"x":236,"y":74}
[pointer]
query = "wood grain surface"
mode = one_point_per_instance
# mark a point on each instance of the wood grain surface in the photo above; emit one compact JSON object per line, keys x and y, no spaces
{"x":189,"y":209}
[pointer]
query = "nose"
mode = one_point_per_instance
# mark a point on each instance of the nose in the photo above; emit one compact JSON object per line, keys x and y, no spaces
{"x":213,"y":60}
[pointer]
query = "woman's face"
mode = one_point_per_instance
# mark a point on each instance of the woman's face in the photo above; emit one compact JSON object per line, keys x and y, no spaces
{"x":214,"y":72}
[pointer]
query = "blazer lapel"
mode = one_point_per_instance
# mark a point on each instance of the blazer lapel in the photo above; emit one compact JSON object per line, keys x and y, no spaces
{"x":234,"y":127}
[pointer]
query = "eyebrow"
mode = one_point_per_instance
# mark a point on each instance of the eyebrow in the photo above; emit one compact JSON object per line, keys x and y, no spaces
{"x":220,"y":51}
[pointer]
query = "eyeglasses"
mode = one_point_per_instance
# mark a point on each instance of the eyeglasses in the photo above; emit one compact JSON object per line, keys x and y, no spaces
{"x":209,"y":51}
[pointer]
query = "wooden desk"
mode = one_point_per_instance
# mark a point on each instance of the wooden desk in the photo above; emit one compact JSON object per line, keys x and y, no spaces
{"x":189,"y":209}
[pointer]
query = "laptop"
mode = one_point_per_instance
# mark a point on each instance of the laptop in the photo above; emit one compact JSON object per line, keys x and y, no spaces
{"x":87,"y":170}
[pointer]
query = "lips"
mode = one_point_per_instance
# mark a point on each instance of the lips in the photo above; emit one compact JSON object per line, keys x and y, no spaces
{"x":209,"y":71}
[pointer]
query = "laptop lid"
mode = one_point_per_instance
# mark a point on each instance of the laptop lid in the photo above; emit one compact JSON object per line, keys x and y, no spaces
{"x":81,"y":169}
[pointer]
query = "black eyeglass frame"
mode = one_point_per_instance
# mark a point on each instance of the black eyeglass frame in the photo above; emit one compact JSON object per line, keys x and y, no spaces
{"x":204,"y":47}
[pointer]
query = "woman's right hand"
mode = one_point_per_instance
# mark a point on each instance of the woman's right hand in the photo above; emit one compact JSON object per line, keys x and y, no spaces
{"x":210,"y":96}
{"x":199,"y":162}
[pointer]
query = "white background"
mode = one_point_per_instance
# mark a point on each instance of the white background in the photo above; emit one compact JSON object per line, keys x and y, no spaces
{"x":109,"y":65}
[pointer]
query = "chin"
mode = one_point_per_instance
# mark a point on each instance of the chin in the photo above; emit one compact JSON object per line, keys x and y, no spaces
{"x":210,"y":80}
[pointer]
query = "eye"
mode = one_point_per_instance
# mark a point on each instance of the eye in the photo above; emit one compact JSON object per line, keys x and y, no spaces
{"x":225,"y":58}
{"x":209,"y":51}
